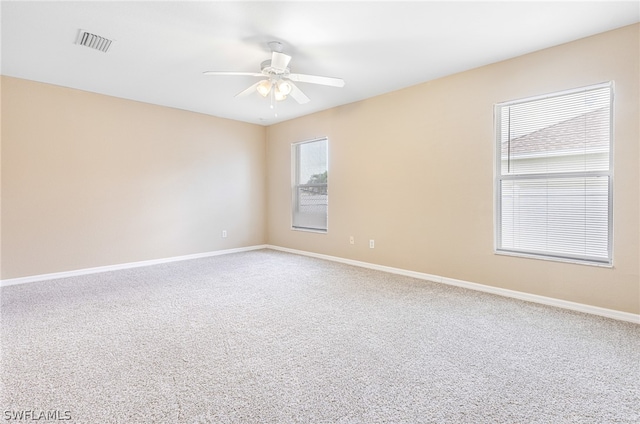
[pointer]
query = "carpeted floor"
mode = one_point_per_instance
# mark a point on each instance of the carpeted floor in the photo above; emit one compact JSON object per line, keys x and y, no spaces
{"x":271,"y":337}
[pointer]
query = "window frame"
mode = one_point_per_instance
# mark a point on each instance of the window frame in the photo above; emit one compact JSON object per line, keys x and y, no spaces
{"x":499,"y":178}
{"x":295,"y":161}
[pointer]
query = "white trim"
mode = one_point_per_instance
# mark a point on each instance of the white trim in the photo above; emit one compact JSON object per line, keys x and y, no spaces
{"x":309,"y":230}
{"x":528,"y":297}
{"x":544,"y":257}
{"x":85,"y":271}
{"x":353,"y":262}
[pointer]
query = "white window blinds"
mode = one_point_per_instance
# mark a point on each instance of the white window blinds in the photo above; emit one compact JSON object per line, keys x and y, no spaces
{"x":553,"y":176}
{"x":310,"y":196}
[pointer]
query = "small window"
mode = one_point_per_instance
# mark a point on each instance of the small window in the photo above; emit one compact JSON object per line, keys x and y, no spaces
{"x":554,"y":176}
{"x":310,"y":175}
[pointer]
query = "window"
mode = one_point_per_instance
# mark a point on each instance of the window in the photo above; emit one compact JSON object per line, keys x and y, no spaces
{"x":310,"y":198}
{"x":554,"y":171}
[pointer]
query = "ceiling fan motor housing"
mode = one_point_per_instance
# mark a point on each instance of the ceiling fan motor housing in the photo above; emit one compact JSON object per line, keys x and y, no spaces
{"x":266,"y":68}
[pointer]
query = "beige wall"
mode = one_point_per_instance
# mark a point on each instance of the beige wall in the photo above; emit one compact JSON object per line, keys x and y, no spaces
{"x":413,"y":170}
{"x":90,"y":180}
{"x":1,"y":177}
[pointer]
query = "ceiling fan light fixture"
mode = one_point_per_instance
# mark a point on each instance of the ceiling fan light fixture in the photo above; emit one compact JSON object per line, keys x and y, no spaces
{"x":264,"y":87}
{"x":284,"y":87}
{"x":279,"y":95}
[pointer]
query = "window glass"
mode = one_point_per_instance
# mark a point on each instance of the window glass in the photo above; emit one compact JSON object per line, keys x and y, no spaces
{"x":310,"y":195}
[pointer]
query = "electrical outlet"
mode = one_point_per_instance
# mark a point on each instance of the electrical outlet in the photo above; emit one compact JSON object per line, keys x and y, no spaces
{"x":352,"y":240}
{"x":371,"y":244}
{"x":224,"y":233}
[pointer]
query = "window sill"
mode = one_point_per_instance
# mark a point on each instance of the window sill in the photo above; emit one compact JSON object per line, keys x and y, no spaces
{"x":309,"y":230}
{"x":553,"y":259}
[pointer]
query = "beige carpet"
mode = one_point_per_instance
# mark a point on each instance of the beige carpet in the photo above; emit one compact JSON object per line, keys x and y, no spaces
{"x":271,"y":337}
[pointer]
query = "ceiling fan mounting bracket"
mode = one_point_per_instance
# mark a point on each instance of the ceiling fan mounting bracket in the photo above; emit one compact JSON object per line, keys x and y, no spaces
{"x":275,"y":46}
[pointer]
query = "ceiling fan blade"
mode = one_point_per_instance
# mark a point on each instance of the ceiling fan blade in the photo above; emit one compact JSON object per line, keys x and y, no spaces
{"x":251,"y":74}
{"x":298,"y":95}
{"x":280,"y":61}
{"x":314,"y":79}
{"x":249,"y":90}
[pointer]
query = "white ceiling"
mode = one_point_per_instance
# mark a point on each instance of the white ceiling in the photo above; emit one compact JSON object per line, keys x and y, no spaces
{"x":162,"y":48}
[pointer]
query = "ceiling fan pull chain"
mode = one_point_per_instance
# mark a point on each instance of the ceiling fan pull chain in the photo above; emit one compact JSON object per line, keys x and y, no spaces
{"x":274,"y":104}
{"x":271,"y":106}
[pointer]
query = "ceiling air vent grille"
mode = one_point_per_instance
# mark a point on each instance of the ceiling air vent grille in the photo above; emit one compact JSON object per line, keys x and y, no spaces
{"x":93,"y":41}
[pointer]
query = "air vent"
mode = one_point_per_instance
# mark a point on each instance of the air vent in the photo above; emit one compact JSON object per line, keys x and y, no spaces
{"x":93,"y":41}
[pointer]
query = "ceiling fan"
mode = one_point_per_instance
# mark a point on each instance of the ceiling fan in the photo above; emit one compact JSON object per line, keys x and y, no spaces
{"x":278,"y":79}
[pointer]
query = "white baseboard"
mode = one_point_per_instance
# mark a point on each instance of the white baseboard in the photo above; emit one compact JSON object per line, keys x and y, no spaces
{"x":579,"y":307}
{"x":565,"y":304}
{"x":85,"y":271}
